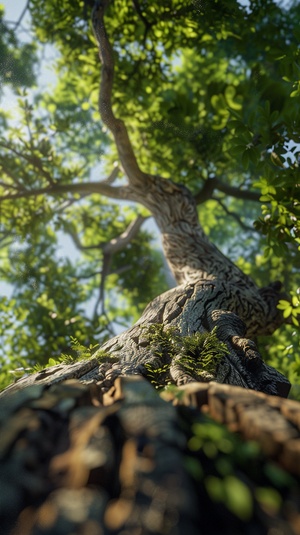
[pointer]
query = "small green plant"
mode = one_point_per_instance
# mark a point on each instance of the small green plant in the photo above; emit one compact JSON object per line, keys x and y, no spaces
{"x":203,"y":348}
{"x":80,"y":352}
{"x":160,"y":337}
{"x":197,"y":354}
{"x":157,"y":376}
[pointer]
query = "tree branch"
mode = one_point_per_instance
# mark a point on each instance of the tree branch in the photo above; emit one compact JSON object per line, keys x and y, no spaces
{"x":206,"y":192}
{"x":107,"y":258}
{"x":89,"y":276}
{"x":17,"y":24}
{"x":11,"y":175}
{"x":237,"y":192}
{"x":8,"y":186}
{"x":113,"y":175}
{"x":109,"y":249}
{"x":112,"y":247}
{"x":116,"y":126}
{"x":33,"y":160}
{"x":215,"y":183}
{"x":8,"y":237}
{"x":76,"y":240}
{"x":137,"y":8}
{"x":116,"y":244}
{"x":235,"y":216}
{"x":103,"y":188}
{"x":188,"y":250}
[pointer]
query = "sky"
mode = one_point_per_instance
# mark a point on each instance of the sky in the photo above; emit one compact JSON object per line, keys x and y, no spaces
{"x":13,"y":9}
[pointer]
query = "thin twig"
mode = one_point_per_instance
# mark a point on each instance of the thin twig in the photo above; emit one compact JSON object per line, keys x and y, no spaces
{"x":33,"y":160}
{"x":235,"y":216}
{"x":137,"y":8}
{"x":22,"y":15}
{"x":112,"y":247}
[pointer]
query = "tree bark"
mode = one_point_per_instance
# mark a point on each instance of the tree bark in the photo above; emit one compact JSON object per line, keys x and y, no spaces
{"x":76,"y":460}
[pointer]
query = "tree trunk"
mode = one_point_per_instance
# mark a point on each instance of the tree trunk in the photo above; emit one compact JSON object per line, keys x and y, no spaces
{"x":184,"y":311}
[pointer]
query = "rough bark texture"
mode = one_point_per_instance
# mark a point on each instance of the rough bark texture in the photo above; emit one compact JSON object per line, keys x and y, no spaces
{"x":86,"y":449}
{"x":75,"y":460}
{"x":191,"y":308}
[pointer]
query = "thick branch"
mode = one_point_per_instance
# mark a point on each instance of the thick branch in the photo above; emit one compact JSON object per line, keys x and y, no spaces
{"x":206,"y":192}
{"x":188,"y":250}
{"x":103,"y":188}
{"x":237,"y":192}
{"x":116,"y":244}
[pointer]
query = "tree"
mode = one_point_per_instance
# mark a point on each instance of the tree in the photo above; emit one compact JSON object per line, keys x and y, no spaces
{"x":201,"y":329}
{"x":192,"y":121}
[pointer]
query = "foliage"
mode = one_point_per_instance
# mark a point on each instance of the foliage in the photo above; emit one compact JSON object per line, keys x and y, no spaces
{"x":209,"y":90}
{"x":77,"y":352}
{"x":291,"y":308}
{"x":234,"y":473}
{"x":196,"y":354}
{"x":17,"y":59}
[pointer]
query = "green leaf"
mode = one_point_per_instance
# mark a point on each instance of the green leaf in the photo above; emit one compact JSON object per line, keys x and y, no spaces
{"x":287,"y":311}
{"x":238,"y":497}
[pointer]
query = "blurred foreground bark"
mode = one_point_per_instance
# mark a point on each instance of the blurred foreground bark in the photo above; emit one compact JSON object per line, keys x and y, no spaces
{"x":77,"y":460}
